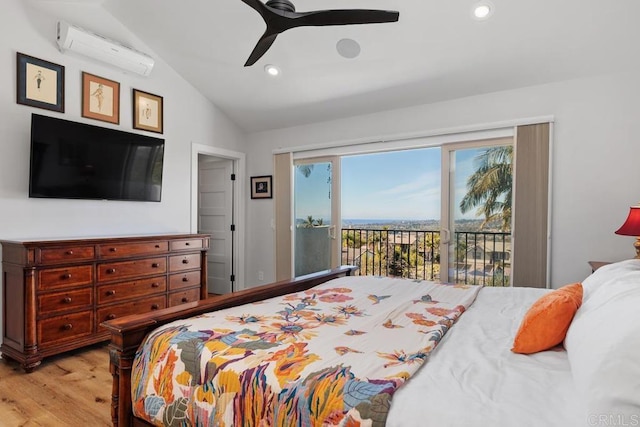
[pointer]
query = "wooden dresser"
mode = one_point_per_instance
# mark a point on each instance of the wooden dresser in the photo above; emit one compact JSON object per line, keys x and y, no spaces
{"x":56,"y":293}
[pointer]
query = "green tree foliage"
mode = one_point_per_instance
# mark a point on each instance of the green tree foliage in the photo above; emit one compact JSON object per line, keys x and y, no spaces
{"x":398,"y":265}
{"x":305,"y":170}
{"x":310,"y":222}
{"x":490,"y":186}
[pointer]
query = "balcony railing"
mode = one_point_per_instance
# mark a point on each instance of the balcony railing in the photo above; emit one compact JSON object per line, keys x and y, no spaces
{"x":478,"y":258}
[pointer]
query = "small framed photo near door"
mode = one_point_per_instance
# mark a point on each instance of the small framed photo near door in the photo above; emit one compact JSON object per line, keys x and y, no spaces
{"x":147,"y":111}
{"x":40,"y":83}
{"x":261,"y":187}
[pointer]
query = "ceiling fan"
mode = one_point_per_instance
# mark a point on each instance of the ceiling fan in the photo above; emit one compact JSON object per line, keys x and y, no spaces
{"x":281,"y":15}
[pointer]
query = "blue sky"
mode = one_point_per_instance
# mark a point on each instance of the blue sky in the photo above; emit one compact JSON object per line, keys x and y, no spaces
{"x":393,"y":185}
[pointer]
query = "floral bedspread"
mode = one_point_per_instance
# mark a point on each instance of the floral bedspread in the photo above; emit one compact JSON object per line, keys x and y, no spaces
{"x":332,"y":355}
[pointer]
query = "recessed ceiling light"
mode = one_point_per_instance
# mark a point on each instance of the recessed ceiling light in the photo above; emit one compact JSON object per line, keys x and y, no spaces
{"x":482,"y":10}
{"x":272,"y":70}
{"x":348,"y":48}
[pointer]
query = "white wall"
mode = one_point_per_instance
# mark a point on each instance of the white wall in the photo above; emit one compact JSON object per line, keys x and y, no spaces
{"x":595,"y":161}
{"x":188,"y":117}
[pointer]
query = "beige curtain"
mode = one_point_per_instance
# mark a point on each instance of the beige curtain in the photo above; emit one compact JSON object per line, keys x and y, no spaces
{"x":531,"y":206}
{"x":282,"y":199}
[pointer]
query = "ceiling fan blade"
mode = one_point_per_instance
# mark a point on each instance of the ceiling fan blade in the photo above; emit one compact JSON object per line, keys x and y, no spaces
{"x":343,"y":17}
{"x":281,"y":16}
{"x":261,"y":48}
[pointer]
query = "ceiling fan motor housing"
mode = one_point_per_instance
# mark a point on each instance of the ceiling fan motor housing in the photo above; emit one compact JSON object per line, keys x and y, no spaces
{"x":284,"y":5}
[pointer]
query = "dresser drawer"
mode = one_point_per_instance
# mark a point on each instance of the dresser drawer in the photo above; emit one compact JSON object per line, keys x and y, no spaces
{"x":184,"y":262}
{"x":117,"y":250}
{"x":63,"y":301}
{"x":66,"y":327}
{"x":178,"y":245}
{"x":126,"y":269}
{"x":183,"y":297}
{"x":144,"y":305}
{"x":51,"y":278}
{"x":184,"y":280}
{"x":70,"y":253}
{"x":133,"y":289}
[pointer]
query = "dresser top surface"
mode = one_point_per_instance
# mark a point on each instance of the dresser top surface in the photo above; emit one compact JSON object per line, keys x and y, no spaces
{"x":51,"y":241}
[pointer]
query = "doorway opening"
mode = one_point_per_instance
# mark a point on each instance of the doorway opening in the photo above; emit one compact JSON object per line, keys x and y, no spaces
{"x":217,"y":209}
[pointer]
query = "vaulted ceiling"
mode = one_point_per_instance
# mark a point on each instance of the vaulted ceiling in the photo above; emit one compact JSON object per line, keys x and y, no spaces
{"x":436,"y":51}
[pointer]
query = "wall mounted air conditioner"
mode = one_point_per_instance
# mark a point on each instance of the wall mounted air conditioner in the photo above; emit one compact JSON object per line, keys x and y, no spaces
{"x":76,"y":39}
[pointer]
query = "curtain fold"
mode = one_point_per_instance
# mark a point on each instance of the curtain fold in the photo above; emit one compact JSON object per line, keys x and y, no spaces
{"x":282,"y":166}
{"x":531,"y":206}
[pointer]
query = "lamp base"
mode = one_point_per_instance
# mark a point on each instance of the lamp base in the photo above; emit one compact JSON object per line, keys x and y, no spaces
{"x":637,"y":246}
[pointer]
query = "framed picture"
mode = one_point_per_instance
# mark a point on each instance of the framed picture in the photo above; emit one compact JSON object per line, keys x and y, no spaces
{"x":147,"y":111}
{"x":100,"y":98}
{"x":261,"y":187}
{"x":40,"y":83}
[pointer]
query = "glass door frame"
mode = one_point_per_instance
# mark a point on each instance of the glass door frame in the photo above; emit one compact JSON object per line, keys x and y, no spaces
{"x":335,"y":229}
{"x":447,"y":198}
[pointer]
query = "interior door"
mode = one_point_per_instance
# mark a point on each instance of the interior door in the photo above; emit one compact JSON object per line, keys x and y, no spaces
{"x":215,"y":217}
{"x":477,"y":184}
{"x":316,"y":214}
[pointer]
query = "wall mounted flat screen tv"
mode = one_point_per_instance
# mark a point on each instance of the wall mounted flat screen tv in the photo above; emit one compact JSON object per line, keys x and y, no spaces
{"x":71,"y":160}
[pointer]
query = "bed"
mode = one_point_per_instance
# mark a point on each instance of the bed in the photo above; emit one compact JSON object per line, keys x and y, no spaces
{"x":464,"y":372}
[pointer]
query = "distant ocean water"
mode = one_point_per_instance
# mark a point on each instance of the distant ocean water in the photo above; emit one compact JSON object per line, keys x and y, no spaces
{"x":359,"y":221}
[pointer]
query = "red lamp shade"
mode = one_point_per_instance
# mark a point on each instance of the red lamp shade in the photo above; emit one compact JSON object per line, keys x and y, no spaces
{"x":631,"y":226}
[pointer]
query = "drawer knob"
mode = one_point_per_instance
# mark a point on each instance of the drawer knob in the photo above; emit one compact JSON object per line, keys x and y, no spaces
{"x":69,"y":252}
{"x":155,"y":265}
{"x":111,"y":270}
{"x":157,"y":246}
{"x":187,"y":244}
{"x":154,"y":306}
{"x":111,"y":292}
{"x":185,"y":261}
{"x":66,"y":276}
{"x":185,"y":279}
{"x":155,"y":285}
{"x":111,"y":316}
{"x":113,"y":249}
{"x":66,"y":300}
{"x":67,"y":326}
{"x":185,"y":299}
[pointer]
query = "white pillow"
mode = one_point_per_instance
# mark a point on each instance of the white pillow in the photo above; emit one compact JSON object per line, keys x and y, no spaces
{"x":603,"y":347}
{"x":608,"y":273}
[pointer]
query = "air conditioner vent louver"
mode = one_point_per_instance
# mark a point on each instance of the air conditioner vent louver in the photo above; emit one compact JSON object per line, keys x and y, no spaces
{"x":76,"y":39}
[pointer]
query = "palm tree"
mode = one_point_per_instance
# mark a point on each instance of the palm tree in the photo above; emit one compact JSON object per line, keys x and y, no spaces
{"x":309,"y":222}
{"x":489,"y":187}
{"x":305,"y":170}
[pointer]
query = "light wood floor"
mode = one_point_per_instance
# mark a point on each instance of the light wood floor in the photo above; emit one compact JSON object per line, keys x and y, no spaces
{"x":71,"y":390}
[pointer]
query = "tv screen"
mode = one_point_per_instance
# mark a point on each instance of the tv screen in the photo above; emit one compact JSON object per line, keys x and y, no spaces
{"x":71,"y":160}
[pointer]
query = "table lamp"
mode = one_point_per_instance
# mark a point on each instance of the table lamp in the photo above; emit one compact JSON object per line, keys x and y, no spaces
{"x":631,"y":227}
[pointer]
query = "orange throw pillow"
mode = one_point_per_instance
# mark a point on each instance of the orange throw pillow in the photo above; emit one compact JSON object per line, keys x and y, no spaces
{"x":546,"y":323}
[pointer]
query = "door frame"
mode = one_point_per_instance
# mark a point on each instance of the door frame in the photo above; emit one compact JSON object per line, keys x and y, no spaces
{"x":239,"y":160}
{"x":447,"y":191}
{"x":336,"y":212}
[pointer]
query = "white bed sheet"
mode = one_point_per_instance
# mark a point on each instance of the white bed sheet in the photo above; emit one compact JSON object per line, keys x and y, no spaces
{"x":473,"y":379}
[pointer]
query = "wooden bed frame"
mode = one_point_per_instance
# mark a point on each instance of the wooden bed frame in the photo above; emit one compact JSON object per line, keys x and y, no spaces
{"x":128,"y":332}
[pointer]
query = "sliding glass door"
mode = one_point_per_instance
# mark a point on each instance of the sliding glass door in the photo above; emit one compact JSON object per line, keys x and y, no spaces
{"x":316,"y":215}
{"x":476,"y":227}
{"x":477,"y":238}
